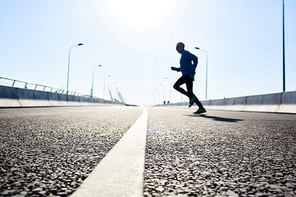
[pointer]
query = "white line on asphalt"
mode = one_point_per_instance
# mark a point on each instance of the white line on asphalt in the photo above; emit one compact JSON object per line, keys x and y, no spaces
{"x":120,"y":172}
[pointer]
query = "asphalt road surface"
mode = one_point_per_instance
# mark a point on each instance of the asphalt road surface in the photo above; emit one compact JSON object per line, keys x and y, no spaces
{"x":219,"y":153}
{"x":50,"y":151}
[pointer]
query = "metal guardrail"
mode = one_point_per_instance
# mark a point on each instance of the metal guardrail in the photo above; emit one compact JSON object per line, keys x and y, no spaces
{"x":35,"y":86}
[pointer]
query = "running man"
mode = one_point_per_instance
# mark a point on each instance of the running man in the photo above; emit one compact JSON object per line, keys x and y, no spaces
{"x":188,"y":63}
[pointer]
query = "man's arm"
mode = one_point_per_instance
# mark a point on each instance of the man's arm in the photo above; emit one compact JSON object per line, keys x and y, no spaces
{"x":194,"y":59}
{"x":176,"y":69}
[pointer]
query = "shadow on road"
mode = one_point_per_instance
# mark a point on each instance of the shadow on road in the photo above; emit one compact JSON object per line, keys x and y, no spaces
{"x":216,"y":118}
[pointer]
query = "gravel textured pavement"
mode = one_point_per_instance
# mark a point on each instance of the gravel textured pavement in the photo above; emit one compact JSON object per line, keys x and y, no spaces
{"x":50,"y":151}
{"x":219,"y":153}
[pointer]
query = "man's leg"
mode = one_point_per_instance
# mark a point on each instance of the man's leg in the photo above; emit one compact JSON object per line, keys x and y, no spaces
{"x":178,"y":83}
{"x":198,"y":103}
{"x":189,"y":85}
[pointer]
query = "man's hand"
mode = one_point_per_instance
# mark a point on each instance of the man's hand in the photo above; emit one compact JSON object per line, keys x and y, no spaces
{"x":172,"y":68}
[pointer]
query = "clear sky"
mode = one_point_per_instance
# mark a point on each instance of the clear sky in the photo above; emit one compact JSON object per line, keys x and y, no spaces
{"x":134,"y":41}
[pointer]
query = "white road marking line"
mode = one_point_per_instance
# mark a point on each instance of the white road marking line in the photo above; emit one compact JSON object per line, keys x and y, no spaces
{"x":120,"y":173}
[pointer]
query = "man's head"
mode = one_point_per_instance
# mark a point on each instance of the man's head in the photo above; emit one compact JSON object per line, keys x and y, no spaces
{"x":180,"y":46}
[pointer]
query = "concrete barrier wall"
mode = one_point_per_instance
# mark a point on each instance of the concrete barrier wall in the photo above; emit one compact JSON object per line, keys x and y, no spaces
{"x":288,"y":103}
{"x":18,"y":97}
{"x":9,"y":97}
{"x":284,"y":102}
{"x":8,"y":92}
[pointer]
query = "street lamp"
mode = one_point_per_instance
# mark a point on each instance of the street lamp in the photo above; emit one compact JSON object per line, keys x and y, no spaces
{"x":170,"y":88}
{"x":105,"y":85}
{"x":117,"y":93}
{"x":206,"y":69}
{"x":163,"y":91}
{"x":80,"y":44}
{"x":92,"y":83}
{"x":284,"y":72}
{"x":152,"y":99}
{"x":111,"y":89}
{"x":158,"y":96}
{"x":154,"y":95}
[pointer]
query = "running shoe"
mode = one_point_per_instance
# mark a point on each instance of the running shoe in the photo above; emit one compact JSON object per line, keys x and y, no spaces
{"x":192,"y":100}
{"x":200,"y":110}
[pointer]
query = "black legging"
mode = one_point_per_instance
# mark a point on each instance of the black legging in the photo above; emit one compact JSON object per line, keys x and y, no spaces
{"x":189,"y":84}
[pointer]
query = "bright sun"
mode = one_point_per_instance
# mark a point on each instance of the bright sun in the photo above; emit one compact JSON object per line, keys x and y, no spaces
{"x":141,"y":15}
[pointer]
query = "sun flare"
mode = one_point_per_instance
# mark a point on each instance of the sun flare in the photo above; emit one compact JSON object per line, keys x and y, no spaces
{"x":141,"y":15}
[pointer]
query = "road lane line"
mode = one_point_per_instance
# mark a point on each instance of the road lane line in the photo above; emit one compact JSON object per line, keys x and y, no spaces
{"x":120,"y":172}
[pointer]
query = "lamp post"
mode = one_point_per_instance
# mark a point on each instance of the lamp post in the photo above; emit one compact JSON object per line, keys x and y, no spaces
{"x":155,"y":97}
{"x":206,"y":69}
{"x":80,"y":44}
{"x":158,"y":96}
{"x":163,"y":91}
{"x":111,"y":89}
{"x":152,"y":99}
{"x":105,"y":83}
{"x":170,"y":88}
{"x":92,"y":83}
{"x":117,"y":93}
{"x":284,"y":72}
